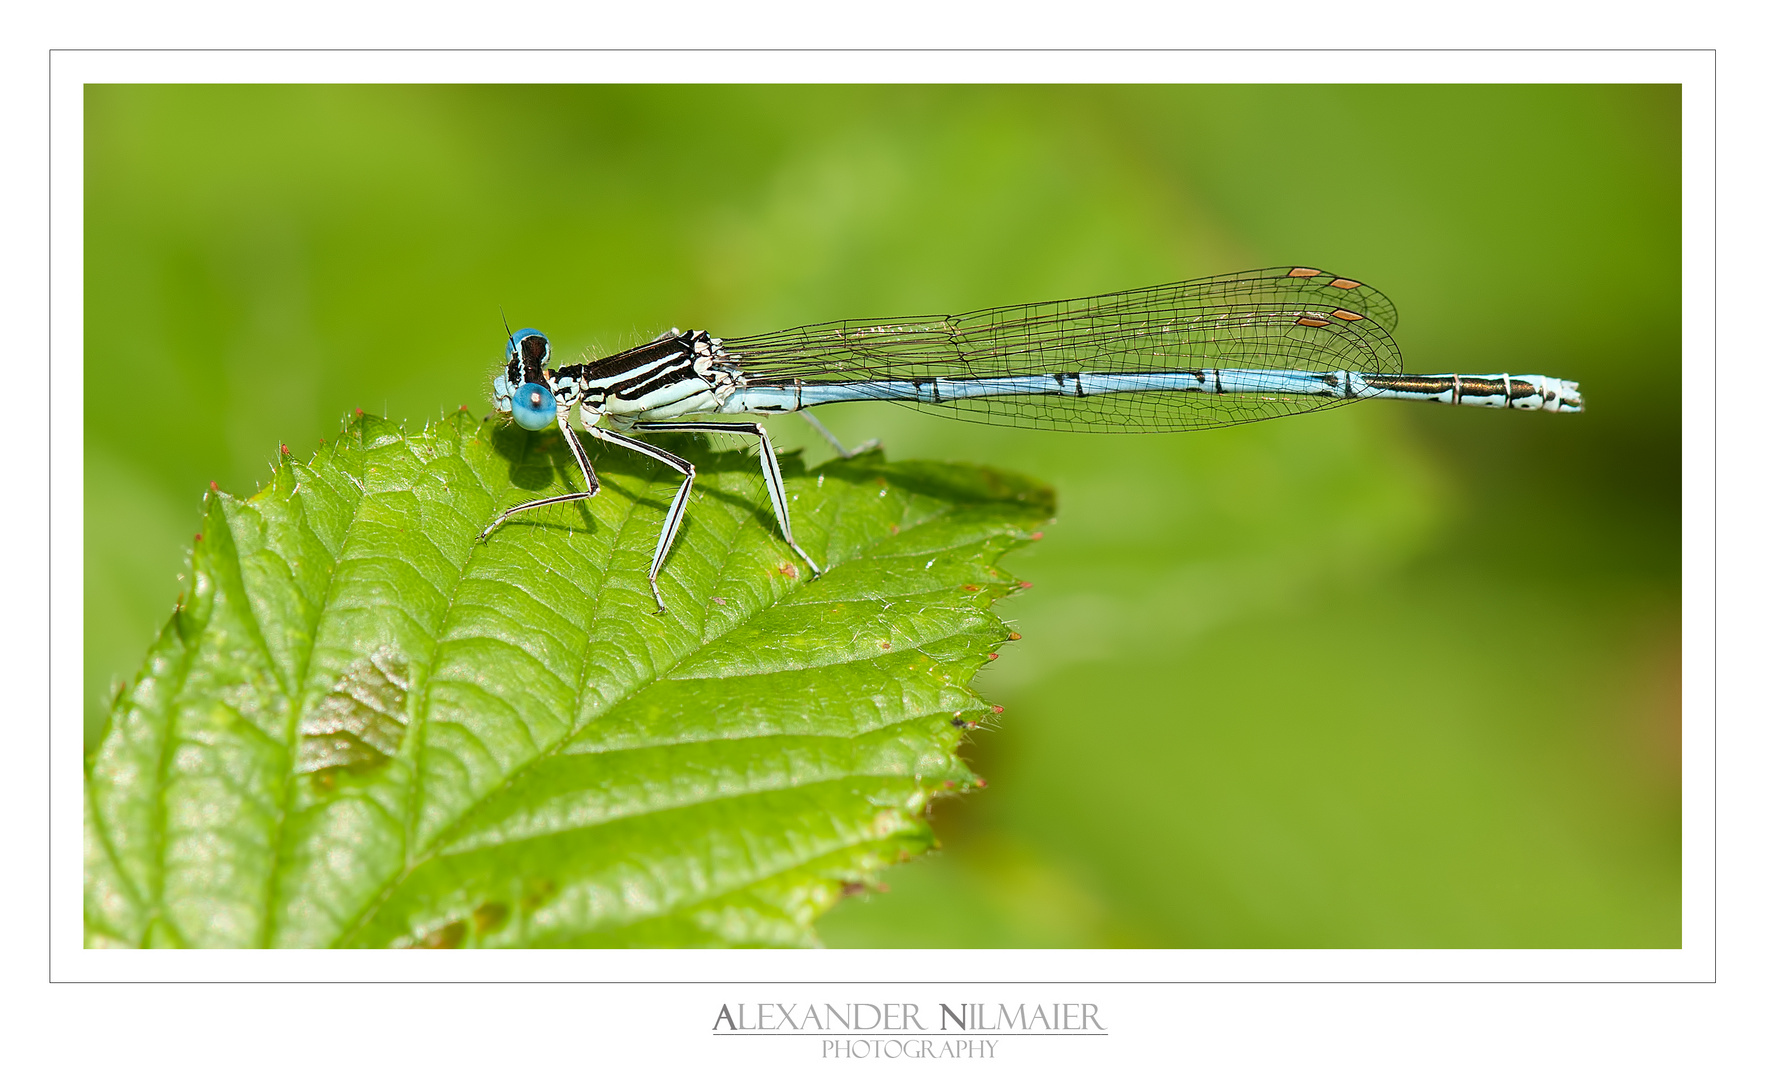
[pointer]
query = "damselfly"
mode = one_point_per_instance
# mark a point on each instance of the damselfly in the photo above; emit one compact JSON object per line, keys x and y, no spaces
{"x":1194,"y":354}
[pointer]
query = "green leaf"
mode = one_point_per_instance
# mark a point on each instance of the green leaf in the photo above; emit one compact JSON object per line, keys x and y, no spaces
{"x":361,"y":727}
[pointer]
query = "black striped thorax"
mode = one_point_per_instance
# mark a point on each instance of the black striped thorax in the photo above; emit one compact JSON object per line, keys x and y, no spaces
{"x":668,"y":375}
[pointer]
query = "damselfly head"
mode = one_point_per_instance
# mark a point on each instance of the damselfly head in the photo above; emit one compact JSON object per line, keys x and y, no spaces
{"x":523,"y":390}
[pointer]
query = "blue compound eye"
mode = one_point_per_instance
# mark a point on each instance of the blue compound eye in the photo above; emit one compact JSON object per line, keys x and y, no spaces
{"x":534,"y":407}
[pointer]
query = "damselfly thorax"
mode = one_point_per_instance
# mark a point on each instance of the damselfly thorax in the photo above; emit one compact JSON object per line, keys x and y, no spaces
{"x":1185,"y":356}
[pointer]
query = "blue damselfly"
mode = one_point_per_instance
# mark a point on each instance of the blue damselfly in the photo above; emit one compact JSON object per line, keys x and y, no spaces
{"x":1194,"y":354}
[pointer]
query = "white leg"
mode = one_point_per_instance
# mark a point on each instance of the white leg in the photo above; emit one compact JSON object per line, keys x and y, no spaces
{"x":591,"y":484}
{"x":677,"y":510}
{"x":769,"y":470}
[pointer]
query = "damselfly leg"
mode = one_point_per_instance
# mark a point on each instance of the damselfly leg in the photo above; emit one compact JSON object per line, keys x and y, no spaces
{"x":676,"y":509}
{"x":769,"y":471}
{"x":591,"y":483}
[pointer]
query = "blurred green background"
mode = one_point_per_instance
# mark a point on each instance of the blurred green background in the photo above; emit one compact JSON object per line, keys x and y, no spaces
{"x":1386,"y":676}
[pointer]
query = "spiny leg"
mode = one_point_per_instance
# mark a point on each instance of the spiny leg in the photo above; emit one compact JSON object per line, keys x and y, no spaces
{"x":769,"y":469}
{"x":591,"y":482}
{"x":677,"y":510}
{"x":839,"y":447}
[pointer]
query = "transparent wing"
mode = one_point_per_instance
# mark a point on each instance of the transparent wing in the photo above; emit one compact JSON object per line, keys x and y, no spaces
{"x":1295,"y":318}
